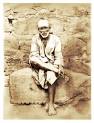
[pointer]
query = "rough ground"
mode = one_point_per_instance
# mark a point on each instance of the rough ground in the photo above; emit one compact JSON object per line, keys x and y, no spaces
{"x":11,"y":111}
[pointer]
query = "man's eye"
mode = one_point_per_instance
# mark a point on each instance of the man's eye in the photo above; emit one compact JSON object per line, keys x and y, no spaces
{"x":41,"y":28}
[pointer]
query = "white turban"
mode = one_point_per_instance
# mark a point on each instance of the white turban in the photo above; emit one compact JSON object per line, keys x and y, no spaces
{"x":43,"y":23}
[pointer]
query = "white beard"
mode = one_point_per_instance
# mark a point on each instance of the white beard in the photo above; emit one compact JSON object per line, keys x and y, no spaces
{"x":44,"y":36}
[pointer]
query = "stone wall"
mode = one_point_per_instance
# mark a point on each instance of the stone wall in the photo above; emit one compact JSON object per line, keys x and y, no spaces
{"x":71,"y":22}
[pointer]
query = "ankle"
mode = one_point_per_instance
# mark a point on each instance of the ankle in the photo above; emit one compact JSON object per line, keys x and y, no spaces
{"x":51,"y":104}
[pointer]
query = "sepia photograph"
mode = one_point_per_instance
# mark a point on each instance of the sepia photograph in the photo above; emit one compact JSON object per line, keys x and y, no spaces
{"x":47,"y":61}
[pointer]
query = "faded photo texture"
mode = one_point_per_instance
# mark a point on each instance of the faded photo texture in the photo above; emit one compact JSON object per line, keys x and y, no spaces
{"x":23,"y":99}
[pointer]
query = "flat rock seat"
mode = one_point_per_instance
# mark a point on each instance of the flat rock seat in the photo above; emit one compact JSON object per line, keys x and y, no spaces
{"x":23,"y":89}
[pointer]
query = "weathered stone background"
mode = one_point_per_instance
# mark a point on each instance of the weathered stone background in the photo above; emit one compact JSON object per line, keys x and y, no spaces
{"x":71,"y":22}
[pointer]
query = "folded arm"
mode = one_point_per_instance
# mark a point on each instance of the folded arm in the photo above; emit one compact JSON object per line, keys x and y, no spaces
{"x":42,"y":65}
{"x":34,"y":58}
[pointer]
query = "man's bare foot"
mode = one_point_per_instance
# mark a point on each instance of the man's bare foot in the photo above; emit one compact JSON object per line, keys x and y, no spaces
{"x":51,"y":110}
{"x":47,"y":106}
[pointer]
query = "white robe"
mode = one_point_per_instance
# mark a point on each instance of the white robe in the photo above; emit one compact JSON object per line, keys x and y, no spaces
{"x":51,"y":53}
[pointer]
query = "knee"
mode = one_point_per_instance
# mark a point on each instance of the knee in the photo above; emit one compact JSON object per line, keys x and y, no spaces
{"x":51,"y":77}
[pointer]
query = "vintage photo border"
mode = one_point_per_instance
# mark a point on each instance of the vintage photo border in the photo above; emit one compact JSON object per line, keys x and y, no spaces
{"x":2,"y":56}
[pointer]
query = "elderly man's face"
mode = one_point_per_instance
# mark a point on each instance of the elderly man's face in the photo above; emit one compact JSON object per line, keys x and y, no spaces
{"x":44,"y":31}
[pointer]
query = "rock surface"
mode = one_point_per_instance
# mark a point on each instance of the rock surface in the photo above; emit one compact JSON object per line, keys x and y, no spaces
{"x":24,"y":90}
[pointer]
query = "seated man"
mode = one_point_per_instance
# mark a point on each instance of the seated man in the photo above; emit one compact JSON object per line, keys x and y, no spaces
{"x":46,"y":56}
